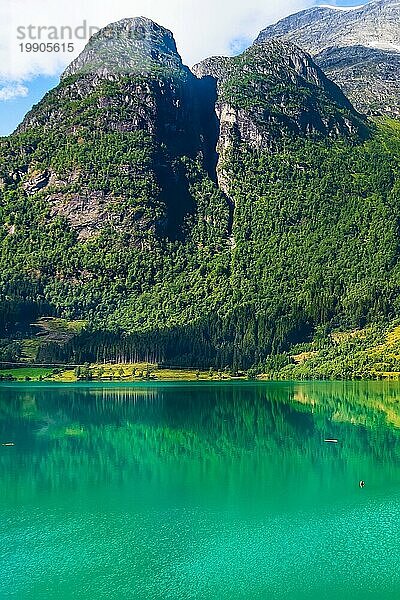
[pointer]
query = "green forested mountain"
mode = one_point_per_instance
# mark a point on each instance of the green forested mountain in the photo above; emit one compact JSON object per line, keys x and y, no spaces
{"x":207,"y":219}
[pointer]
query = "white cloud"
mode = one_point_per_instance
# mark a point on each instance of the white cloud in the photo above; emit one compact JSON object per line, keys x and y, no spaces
{"x":201,"y":27}
{"x":13,"y":90}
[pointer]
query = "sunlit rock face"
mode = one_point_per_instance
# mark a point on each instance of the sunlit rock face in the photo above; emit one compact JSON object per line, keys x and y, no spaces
{"x":275,"y":91}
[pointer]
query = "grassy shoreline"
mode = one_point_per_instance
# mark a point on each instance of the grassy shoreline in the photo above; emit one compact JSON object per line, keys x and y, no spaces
{"x":118,"y":373}
{"x":114,"y":373}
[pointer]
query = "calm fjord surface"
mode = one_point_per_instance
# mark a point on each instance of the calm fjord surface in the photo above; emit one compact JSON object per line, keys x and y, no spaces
{"x":200,"y":491}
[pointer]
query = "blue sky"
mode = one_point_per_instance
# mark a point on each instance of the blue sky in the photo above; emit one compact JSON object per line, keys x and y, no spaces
{"x":13,"y":110}
{"x":223,"y":27}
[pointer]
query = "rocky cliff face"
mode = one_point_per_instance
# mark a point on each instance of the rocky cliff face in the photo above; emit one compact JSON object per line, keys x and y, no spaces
{"x":129,"y":80}
{"x":129,"y":77}
{"x":358,"y":48}
{"x":272,"y":92}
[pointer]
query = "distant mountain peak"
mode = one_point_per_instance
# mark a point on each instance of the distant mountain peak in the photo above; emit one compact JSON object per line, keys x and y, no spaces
{"x":134,"y":45}
{"x":358,"y":48}
{"x":373,"y":25}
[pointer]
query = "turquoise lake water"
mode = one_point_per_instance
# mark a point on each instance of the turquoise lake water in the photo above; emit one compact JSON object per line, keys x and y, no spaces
{"x":204,"y":491}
